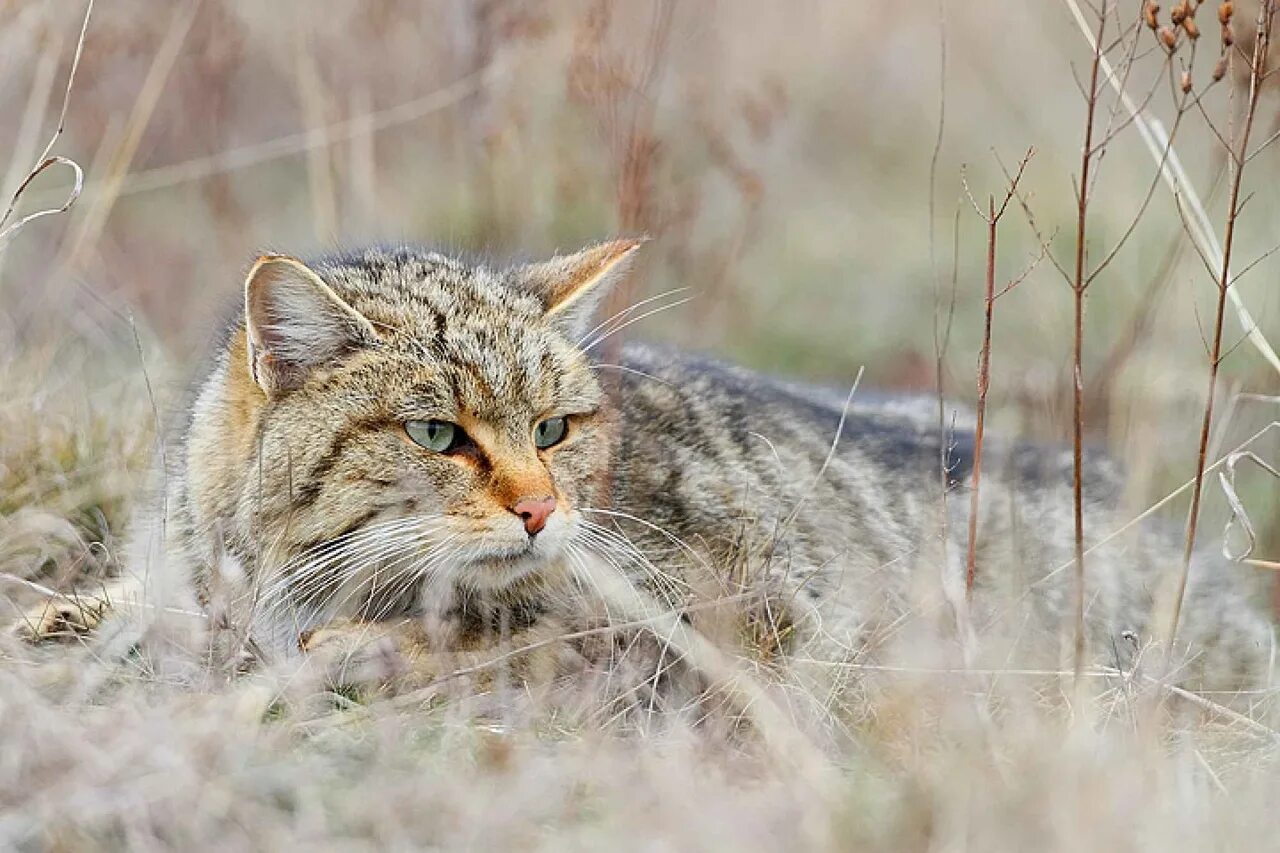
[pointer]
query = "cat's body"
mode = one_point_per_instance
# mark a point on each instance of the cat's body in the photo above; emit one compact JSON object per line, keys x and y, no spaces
{"x":394,"y":435}
{"x":840,"y":501}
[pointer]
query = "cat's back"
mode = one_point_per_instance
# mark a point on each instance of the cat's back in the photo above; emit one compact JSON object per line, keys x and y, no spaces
{"x":729,"y":461}
{"x":683,"y":403}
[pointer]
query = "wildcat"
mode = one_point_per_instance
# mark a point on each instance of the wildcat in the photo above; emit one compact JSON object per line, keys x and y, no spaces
{"x":397,"y":442}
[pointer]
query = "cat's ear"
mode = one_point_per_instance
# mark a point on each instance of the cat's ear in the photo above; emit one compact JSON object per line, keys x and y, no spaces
{"x":295,"y":323}
{"x":570,"y":287}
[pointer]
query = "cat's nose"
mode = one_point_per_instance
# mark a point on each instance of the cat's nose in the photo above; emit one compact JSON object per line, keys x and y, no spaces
{"x":534,"y":512}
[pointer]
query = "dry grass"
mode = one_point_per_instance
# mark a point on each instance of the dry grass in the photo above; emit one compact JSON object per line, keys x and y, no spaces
{"x":775,"y":152}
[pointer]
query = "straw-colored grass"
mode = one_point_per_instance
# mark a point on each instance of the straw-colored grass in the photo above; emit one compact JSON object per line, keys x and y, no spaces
{"x":777,"y":153}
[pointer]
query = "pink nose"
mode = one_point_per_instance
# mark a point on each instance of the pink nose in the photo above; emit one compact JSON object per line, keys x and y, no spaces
{"x":534,"y":512}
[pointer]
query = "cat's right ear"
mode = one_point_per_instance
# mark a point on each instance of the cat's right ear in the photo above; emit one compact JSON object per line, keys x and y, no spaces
{"x":570,"y":286}
{"x":295,"y":323}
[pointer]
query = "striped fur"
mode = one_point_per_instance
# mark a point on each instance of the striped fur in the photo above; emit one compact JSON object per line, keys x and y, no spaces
{"x":700,"y":480}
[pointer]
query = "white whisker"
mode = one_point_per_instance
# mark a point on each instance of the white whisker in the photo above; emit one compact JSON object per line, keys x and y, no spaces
{"x":669,"y":536}
{"x":302,"y":584}
{"x":625,"y":369}
{"x":610,"y":542}
{"x":604,"y":336}
{"x":409,"y":553}
{"x":334,"y":548}
{"x":580,"y":573}
{"x":625,"y":311}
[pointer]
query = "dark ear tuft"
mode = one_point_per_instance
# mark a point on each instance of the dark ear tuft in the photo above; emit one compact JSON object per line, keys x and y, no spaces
{"x":570,"y":287}
{"x":295,"y":323}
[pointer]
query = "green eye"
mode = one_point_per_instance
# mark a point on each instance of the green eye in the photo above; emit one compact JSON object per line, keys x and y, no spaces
{"x":550,"y":432}
{"x":440,"y":436}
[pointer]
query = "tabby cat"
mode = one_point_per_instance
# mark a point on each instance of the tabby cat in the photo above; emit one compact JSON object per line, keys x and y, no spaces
{"x":396,"y":440}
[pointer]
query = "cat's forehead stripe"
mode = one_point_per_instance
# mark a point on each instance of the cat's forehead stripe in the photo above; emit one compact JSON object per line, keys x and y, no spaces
{"x":485,"y":343}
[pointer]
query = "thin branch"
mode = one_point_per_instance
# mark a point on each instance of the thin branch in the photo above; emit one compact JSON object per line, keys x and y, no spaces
{"x":1249,"y":266}
{"x":1127,"y":66}
{"x":1139,"y":325}
{"x":1266,"y":15}
{"x":10,"y":231}
{"x":1078,"y":286}
{"x":1022,"y":276}
{"x":992,"y":219}
{"x":1040,"y":238}
{"x":1175,"y":177}
{"x":1142,"y":208}
{"x":47,"y":159}
{"x":1226,"y":353}
{"x":1045,"y":244}
{"x":1270,"y":140}
{"x":1187,"y":225}
{"x":941,"y":330}
{"x":292,"y":144}
{"x":1208,"y":123}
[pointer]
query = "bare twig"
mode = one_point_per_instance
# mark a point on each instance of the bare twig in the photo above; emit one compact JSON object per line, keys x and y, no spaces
{"x":1139,"y":325}
{"x":1175,"y":177}
{"x":1239,"y":516}
{"x":941,"y":329}
{"x":1235,"y":164}
{"x":941,"y":343}
{"x":1079,"y":284}
{"x":11,"y":230}
{"x":47,"y":159}
{"x":292,"y":144}
{"x":90,"y":225}
{"x":992,"y":218}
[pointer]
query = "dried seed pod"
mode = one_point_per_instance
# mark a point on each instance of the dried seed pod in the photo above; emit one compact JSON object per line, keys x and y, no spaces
{"x":1168,"y":38}
{"x":1186,"y":82}
{"x":1193,"y":31}
{"x":1220,"y":70}
{"x":1178,"y":13}
{"x":1151,"y":13}
{"x":1228,"y":35}
{"x":1225,"y":11}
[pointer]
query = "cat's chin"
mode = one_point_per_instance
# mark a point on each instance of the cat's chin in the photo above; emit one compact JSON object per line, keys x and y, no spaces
{"x":498,"y":571}
{"x":491,"y":566}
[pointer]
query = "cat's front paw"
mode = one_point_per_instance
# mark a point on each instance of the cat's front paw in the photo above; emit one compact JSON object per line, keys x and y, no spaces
{"x":358,"y":655}
{"x":62,"y":618}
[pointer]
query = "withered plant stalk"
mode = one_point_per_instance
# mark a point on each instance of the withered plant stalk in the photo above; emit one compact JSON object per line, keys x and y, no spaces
{"x":1079,"y":284}
{"x":941,"y":330}
{"x":992,"y":218}
{"x":1237,"y":157}
{"x":1182,"y":32}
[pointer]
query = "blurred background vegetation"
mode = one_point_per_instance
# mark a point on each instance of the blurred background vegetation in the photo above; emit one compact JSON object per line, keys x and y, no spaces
{"x":780,"y":155}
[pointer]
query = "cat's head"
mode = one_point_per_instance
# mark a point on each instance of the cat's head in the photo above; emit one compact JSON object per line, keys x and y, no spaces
{"x":418,"y":415}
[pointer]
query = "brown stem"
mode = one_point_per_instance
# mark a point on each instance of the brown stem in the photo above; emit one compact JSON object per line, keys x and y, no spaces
{"x":1236,"y":161}
{"x":984,"y":382}
{"x":992,"y":218}
{"x":941,"y":336}
{"x":1078,"y":286}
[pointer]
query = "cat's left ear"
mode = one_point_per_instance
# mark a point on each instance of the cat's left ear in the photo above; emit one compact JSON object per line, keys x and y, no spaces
{"x":295,"y":323}
{"x":570,"y":287}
